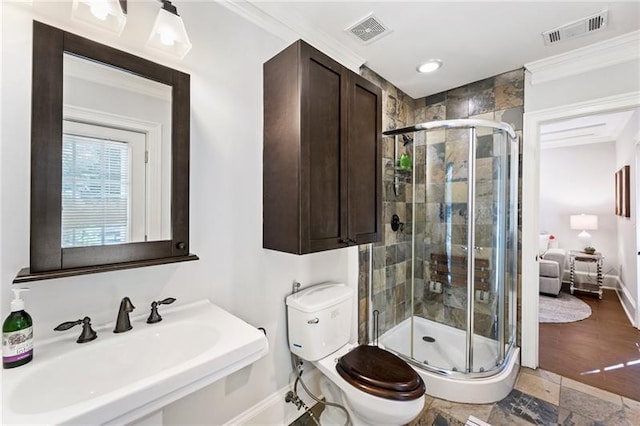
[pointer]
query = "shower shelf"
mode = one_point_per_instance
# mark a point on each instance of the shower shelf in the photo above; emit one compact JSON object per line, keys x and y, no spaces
{"x":402,"y":175}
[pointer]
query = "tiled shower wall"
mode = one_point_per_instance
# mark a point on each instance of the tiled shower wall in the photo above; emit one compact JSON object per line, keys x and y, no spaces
{"x":500,"y":98}
{"x":392,"y":257}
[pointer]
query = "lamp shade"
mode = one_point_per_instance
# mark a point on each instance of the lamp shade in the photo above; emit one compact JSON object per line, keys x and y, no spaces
{"x":584,"y":222}
{"x":104,"y":14}
{"x":169,"y":34}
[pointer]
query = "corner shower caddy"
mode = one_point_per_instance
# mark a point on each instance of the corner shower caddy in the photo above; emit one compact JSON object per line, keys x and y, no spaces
{"x":400,"y":175}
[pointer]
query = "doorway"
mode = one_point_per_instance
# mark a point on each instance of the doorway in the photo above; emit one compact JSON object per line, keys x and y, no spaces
{"x":531,"y":207}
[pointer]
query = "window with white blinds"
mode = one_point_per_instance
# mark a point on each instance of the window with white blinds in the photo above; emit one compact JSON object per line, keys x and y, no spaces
{"x":104,"y":185}
{"x":96,"y":191}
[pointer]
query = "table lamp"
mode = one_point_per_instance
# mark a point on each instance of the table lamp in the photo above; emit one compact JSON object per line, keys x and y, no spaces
{"x":585,"y":222}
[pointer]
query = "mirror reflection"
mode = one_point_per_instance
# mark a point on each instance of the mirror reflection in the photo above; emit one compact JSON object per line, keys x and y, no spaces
{"x":116,"y":156}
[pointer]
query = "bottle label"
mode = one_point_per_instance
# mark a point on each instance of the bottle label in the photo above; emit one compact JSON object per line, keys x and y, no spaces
{"x":17,"y":345}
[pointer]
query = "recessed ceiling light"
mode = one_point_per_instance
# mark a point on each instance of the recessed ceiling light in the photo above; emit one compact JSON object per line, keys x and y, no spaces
{"x":430,"y":66}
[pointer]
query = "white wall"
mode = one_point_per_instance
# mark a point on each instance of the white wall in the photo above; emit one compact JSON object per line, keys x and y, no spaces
{"x":584,"y":86}
{"x":226,"y":199}
{"x":626,"y":227}
{"x":579,"y":179}
{"x":579,"y":83}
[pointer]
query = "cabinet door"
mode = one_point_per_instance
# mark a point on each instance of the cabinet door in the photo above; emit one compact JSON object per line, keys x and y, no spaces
{"x":323,"y":177}
{"x":364,"y":161}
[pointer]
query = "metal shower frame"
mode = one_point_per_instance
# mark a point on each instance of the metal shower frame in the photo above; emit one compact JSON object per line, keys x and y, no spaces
{"x":504,"y":347}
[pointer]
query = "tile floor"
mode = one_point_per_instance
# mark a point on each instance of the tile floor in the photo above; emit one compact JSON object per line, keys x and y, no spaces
{"x":540,"y":398}
{"x":566,"y":396}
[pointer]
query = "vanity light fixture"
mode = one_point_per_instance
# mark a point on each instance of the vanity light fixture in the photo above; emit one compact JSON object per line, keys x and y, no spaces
{"x":430,"y":66}
{"x":110,"y":15}
{"x":169,"y":34}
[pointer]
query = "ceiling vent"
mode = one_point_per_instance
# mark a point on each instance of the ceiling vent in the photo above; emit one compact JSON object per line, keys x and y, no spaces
{"x":369,"y":29}
{"x":576,"y":29}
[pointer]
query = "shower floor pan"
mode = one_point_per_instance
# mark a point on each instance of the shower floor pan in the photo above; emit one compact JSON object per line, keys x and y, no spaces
{"x":443,"y":347}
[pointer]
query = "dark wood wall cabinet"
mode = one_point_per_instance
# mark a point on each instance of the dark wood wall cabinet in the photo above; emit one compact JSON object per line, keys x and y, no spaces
{"x":322,"y":154}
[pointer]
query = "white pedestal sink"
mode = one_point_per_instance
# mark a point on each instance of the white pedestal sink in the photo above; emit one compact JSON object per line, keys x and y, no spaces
{"x":121,"y":377}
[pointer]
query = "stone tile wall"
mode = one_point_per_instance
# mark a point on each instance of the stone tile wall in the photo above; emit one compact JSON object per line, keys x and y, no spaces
{"x":444,"y":203}
{"x":391,"y":258}
{"x":498,"y":98}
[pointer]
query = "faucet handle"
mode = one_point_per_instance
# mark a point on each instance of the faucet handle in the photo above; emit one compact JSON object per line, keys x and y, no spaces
{"x":87,"y":335}
{"x":154,"y":316}
{"x":167,"y":301}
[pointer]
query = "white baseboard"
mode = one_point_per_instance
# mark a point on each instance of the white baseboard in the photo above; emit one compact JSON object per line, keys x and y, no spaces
{"x":273,"y":410}
{"x":627,"y":301}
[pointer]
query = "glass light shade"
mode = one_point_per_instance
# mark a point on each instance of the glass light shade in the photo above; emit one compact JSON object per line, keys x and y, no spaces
{"x":169,"y":35}
{"x":104,"y":14}
{"x":584,"y":222}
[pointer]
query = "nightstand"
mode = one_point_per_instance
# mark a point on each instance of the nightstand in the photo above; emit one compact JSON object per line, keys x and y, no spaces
{"x":597,"y":259}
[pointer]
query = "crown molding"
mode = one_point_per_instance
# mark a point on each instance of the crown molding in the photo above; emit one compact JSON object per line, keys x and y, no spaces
{"x":257,"y":16}
{"x":292,"y":28}
{"x":614,"y":51}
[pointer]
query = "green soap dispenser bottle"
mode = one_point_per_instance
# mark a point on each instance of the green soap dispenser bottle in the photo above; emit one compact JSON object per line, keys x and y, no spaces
{"x":17,"y":334}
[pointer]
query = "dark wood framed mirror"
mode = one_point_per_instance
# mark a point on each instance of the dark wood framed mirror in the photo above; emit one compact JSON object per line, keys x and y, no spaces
{"x":50,"y":257}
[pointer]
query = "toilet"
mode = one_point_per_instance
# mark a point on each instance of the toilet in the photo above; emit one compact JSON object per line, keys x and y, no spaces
{"x":375,"y":386}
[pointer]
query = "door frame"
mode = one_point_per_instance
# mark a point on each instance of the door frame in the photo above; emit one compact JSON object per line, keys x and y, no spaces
{"x":531,"y":205}
{"x":636,"y":142}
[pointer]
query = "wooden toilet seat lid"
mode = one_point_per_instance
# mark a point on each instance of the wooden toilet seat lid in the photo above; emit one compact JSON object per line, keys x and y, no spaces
{"x":380,"y":373}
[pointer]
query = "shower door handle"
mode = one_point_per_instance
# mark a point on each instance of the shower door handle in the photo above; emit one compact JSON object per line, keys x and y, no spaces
{"x":478,"y":248}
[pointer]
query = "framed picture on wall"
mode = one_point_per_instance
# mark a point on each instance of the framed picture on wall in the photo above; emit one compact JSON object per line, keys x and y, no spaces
{"x":623,"y":192}
{"x":618,"y":192}
{"x":626,"y":191}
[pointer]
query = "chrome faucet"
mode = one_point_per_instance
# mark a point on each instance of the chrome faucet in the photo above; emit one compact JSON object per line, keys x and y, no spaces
{"x":123,"y":323}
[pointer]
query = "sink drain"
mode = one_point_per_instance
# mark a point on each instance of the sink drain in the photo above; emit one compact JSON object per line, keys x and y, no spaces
{"x":428,"y":339}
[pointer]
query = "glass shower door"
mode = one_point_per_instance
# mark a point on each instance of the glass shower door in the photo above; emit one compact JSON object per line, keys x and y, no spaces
{"x":441,"y":201}
{"x":466,"y":196}
{"x":491,"y":208}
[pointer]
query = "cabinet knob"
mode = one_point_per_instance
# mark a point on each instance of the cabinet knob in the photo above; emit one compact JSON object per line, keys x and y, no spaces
{"x":181,"y":245}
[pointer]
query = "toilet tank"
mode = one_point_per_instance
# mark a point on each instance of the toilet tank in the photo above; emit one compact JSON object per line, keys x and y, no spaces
{"x":319,"y":320}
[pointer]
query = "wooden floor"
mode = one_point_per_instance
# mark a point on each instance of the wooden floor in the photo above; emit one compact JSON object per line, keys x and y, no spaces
{"x":602,"y":350}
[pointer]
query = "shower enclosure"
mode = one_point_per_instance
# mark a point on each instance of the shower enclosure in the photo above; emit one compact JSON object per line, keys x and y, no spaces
{"x":458,"y":327}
